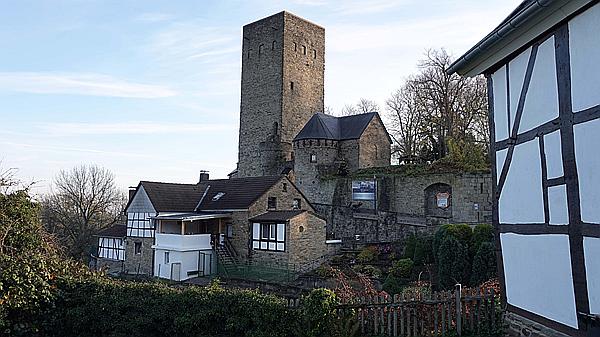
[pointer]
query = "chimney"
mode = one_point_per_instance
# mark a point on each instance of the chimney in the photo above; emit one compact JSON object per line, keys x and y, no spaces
{"x":203,"y":176}
{"x":132,"y":190}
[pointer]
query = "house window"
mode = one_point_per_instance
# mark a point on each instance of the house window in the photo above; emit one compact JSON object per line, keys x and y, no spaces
{"x":313,"y":158}
{"x":297,"y":203}
{"x":111,"y":248}
{"x":284,"y":187}
{"x":166,"y":257}
{"x":272,"y":203}
{"x":137,"y":248}
{"x":268,"y":236}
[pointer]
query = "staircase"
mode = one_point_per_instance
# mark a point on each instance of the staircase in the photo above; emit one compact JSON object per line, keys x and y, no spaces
{"x":227,"y":258}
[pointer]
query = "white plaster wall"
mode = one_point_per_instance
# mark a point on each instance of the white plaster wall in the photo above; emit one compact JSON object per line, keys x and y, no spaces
{"x":521,"y":199}
{"x":541,"y":102}
{"x":557,"y":202}
{"x":517,"y":69}
{"x":188,"y":260}
{"x":500,"y":113}
{"x":591,"y":249}
{"x":537,"y":271}
{"x":584,"y":45}
{"x":500,"y":158}
{"x":587,"y":155}
{"x":553,"y":151}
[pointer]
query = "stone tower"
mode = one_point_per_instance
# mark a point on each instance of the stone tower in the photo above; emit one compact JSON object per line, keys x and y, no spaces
{"x":283,"y":65}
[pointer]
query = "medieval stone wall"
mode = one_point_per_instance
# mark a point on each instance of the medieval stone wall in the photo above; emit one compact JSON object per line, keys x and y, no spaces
{"x":306,"y":172}
{"x":519,"y":326}
{"x":401,"y":204}
{"x":306,"y":239}
{"x":374,"y":146}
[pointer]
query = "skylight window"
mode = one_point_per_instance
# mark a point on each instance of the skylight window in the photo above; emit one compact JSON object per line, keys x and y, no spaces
{"x":218,"y":196}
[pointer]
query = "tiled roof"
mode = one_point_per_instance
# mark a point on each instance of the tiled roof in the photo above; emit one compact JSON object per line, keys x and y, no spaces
{"x":277,"y":215}
{"x":115,"y":231}
{"x":238,"y":193}
{"x":167,"y":197}
{"x":322,"y":126}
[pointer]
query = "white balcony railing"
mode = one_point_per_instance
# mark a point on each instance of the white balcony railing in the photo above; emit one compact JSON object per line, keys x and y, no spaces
{"x":182,"y":242}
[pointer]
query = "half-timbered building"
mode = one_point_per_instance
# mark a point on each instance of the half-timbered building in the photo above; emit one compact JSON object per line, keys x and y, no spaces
{"x":543,"y":72}
{"x":181,"y":231}
{"x":110,"y":255}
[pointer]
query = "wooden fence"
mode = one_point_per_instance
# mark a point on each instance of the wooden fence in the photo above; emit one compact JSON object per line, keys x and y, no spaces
{"x":434,"y":314}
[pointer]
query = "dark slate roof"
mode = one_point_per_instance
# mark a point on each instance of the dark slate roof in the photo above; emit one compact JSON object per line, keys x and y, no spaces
{"x":171,"y":197}
{"x":239,"y":193}
{"x":277,"y":215}
{"x":116,"y":231}
{"x":322,"y":126}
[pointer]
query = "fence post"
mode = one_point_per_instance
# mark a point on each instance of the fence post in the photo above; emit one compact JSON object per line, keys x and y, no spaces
{"x":458,"y":309}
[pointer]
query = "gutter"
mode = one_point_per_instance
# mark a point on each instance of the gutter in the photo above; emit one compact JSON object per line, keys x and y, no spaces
{"x":499,"y":33}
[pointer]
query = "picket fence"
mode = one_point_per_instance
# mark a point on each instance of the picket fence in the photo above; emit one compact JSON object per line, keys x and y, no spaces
{"x":434,"y":314}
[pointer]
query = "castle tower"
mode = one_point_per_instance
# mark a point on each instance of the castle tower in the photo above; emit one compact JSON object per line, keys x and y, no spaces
{"x":283,"y":63}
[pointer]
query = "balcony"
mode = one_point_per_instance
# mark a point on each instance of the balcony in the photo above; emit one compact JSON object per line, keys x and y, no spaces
{"x":182,"y":243}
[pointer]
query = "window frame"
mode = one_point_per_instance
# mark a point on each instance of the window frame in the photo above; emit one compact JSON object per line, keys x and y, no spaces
{"x":136,"y":250}
{"x":272,"y":203}
{"x":273,"y":240}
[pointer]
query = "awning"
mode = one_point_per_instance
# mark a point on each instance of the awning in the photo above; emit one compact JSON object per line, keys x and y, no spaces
{"x":191,"y":216}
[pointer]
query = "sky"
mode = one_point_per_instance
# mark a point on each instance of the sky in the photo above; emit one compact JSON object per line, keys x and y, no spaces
{"x":150,"y":90}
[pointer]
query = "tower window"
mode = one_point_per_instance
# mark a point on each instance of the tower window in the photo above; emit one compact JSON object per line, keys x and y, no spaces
{"x":314,"y":53}
{"x":295,"y":46}
{"x":284,"y":187}
{"x":304,"y":50}
{"x":313,"y":158}
{"x":273,"y":45}
{"x":272,"y":203}
{"x":292,"y":85}
{"x":249,"y":53}
{"x":260,"y":48}
{"x":297,"y":203}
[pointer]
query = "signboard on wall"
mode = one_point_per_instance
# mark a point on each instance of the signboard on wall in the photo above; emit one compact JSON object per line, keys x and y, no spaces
{"x":442,"y":200}
{"x":363,"y":190}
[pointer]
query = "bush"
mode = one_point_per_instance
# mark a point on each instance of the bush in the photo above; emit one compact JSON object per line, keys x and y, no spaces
{"x":318,"y":313}
{"x":424,"y":251}
{"x":367,"y":270}
{"x":409,"y":246}
{"x":368,"y":254}
{"x":453,"y":266}
{"x":484,"y":264}
{"x":460,"y":232}
{"x":402,"y":268}
{"x":482,"y":233}
{"x":393,"y":284}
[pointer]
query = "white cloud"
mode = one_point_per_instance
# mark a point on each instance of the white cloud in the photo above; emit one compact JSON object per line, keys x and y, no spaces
{"x":79,"y":84}
{"x":367,"y":7}
{"x":59,"y":148}
{"x":130,"y":128}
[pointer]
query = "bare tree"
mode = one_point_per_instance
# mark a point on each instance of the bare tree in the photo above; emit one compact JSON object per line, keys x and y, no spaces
{"x":363,"y":106}
{"x":406,"y":123}
{"x":84,"y":200}
{"x":434,"y":108}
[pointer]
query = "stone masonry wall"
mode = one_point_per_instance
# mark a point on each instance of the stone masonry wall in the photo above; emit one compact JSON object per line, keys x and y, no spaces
{"x":400,"y":205}
{"x":519,"y":326}
{"x":261,"y":87}
{"x":307,"y":173}
{"x":306,"y":239}
{"x":283,"y":60}
{"x":374,"y":146}
{"x":139,"y":263}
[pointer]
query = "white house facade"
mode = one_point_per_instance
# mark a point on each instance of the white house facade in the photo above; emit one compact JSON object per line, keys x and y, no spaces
{"x":543,"y":69}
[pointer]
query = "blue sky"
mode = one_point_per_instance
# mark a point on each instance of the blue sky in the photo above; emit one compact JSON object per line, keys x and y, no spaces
{"x":150,"y":89}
